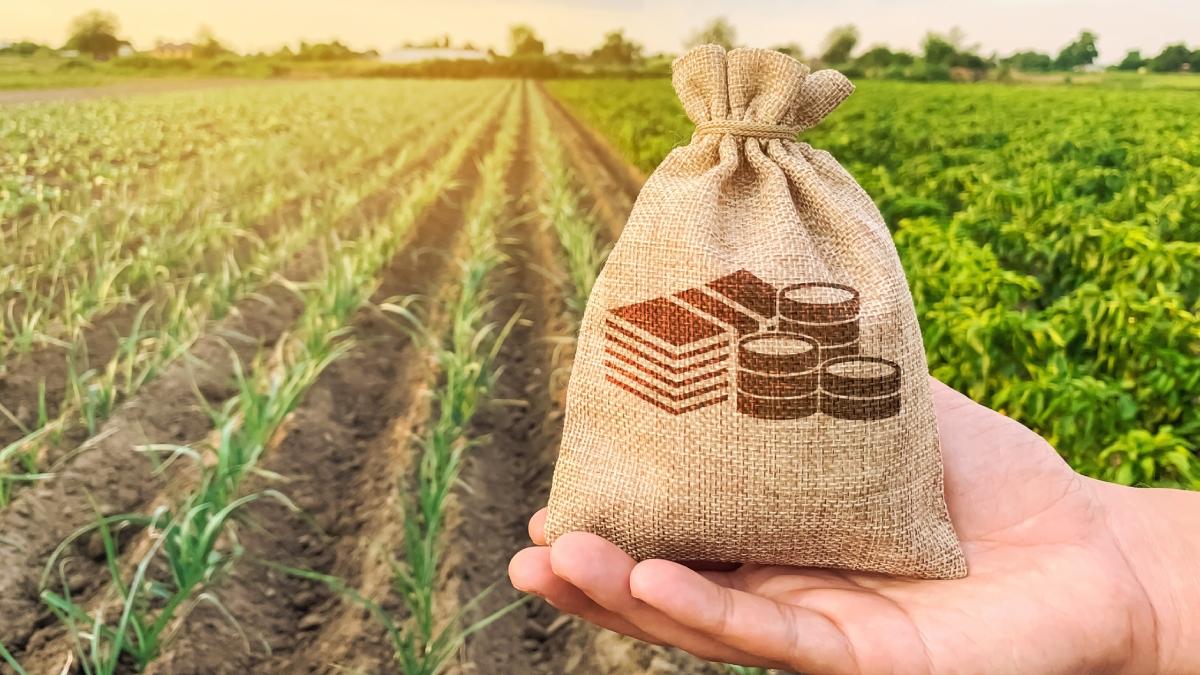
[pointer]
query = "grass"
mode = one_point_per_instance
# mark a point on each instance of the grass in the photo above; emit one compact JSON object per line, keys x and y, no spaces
{"x":8,"y":658}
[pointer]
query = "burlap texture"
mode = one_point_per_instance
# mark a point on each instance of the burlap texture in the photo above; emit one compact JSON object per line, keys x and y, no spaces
{"x":750,"y":383}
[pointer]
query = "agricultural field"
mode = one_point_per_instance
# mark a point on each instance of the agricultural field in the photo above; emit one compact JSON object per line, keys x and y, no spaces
{"x":1051,"y":237}
{"x":282,"y":377}
{"x":282,"y":367}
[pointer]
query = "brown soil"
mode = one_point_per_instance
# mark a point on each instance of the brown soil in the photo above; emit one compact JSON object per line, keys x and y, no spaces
{"x":109,"y":471}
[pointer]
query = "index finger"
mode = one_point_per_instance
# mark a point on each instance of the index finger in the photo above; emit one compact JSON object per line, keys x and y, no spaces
{"x":537,"y":527}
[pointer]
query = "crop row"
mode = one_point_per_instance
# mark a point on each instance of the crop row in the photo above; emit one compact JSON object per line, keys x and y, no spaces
{"x":464,"y":351}
{"x":60,"y":156}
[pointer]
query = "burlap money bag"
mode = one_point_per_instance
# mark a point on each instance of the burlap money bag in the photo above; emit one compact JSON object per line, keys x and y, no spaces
{"x":750,"y":383}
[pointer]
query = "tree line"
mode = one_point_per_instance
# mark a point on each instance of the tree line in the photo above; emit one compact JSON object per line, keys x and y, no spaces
{"x":941,"y":53}
{"x":941,"y":56}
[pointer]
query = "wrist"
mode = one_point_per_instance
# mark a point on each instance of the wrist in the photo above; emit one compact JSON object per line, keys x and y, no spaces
{"x":1158,"y":531}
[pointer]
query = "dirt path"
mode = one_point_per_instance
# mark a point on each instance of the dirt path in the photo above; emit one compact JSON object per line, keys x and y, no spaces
{"x":16,"y":96}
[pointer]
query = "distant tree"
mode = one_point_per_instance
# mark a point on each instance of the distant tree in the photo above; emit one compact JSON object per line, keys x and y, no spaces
{"x":839,"y":44}
{"x":95,"y":33}
{"x":938,"y":49}
{"x":325,"y":51}
{"x":1133,"y":60}
{"x":1172,"y":58}
{"x":1030,"y":62}
{"x":568,"y":58}
{"x":878,"y":56}
{"x":973,"y":61}
{"x":616,"y":49}
{"x":207,"y":46}
{"x":791,"y":49}
{"x":718,"y":32}
{"x":524,"y":42}
{"x":1079,"y":53}
{"x":22,"y":48}
{"x":949,"y":50}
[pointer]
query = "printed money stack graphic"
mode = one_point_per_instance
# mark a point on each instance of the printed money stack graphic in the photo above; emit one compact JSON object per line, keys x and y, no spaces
{"x":779,"y":353}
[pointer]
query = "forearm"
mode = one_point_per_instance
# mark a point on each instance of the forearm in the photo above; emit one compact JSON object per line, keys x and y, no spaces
{"x":1159,"y":530}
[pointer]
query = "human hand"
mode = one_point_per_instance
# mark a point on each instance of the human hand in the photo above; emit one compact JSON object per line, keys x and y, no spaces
{"x":1067,"y":575}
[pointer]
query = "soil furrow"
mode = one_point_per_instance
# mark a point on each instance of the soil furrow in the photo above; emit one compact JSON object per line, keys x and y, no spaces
{"x":109,"y":470}
{"x":344,"y":454}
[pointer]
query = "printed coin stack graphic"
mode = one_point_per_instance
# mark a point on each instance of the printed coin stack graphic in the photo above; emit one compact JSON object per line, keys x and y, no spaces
{"x":786,"y":353}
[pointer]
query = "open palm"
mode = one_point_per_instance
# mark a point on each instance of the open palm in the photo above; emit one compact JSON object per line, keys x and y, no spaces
{"x":1050,"y":588}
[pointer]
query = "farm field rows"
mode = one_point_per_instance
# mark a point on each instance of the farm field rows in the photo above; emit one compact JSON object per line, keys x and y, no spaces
{"x":282,"y":369}
{"x":1050,"y":236}
{"x":283,"y":375}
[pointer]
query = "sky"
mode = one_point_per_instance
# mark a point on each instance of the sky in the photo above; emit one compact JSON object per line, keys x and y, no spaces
{"x":1003,"y":26}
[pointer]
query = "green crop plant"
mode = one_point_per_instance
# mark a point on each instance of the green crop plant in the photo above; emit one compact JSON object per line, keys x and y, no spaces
{"x":187,"y":536}
{"x":1161,"y":458}
{"x":560,"y":207}
{"x":139,"y":616}
{"x":7,"y":657}
{"x":19,"y":462}
{"x":412,"y":658}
